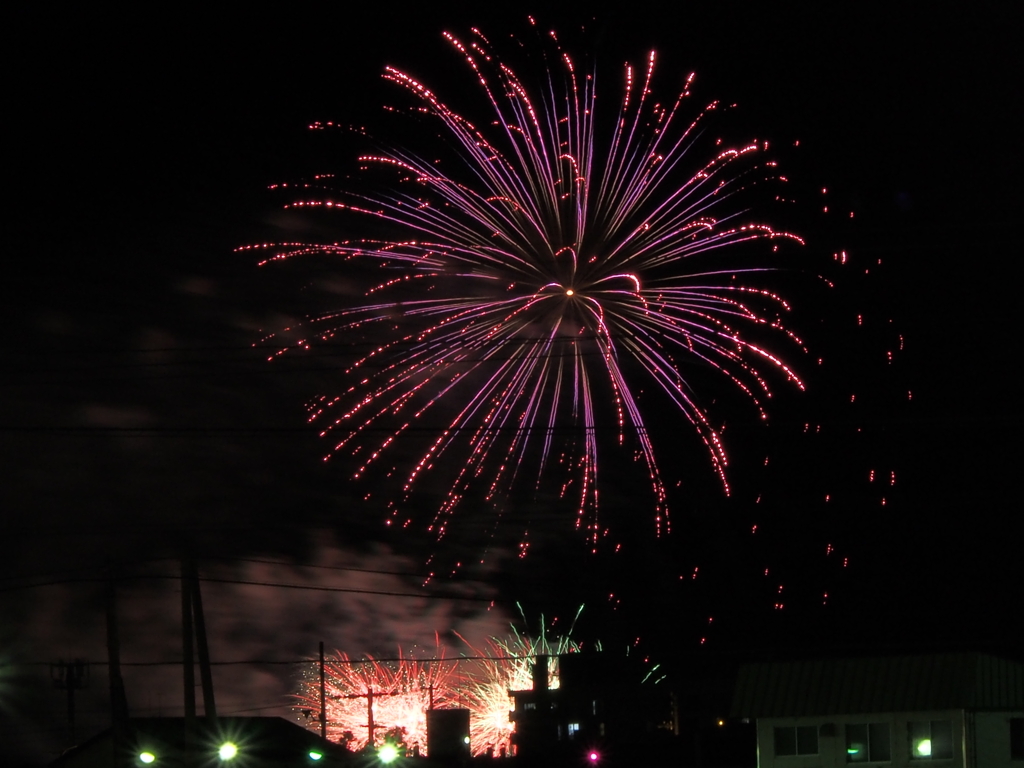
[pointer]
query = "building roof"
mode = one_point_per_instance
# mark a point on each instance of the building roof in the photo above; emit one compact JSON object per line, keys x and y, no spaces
{"x":894,"y":684}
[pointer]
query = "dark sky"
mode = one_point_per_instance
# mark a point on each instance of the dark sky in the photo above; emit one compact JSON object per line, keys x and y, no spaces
{"x":135,"y":413}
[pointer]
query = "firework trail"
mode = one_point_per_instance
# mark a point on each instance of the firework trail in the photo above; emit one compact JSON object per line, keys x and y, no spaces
{"x":565,"y":257}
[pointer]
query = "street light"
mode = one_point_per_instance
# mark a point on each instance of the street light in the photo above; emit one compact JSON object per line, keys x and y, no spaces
{"x":227,"y":751}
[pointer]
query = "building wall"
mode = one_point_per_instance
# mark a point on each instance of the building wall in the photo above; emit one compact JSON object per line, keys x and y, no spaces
{"x":832,"y":732}
{"x":992,"y":739}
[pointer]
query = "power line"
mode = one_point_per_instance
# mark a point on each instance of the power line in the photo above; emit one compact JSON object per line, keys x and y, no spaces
{"x":337,"y":660}
{"x":225,"y":558}
{"x":323,"y":567}
{"x":275,"y":585}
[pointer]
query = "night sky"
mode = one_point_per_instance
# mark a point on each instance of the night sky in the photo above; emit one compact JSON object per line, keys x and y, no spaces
{"x":136,"y":414}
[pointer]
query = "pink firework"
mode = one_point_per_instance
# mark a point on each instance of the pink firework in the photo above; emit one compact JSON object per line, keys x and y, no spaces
{"x":549,"y":264}
{"x":381,"y":697}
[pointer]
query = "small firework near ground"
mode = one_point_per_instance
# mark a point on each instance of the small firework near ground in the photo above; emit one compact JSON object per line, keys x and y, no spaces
{"x":399,"y":691}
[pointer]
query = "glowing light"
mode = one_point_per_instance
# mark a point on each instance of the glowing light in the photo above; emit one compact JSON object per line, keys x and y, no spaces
{"x":147,"y":757}
{"x":227,"y":751}
{"x":923,"y":748}
{"x":388,"y":753}
{"x":314,"y":755}
{"x":462,"y":319}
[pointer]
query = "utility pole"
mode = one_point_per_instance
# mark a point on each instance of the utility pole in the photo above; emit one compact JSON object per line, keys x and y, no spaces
{"x":188,"y":664}
{"x":193,"y":639}
{"x":323,"y":696}
{"x":72,"y":676}
{"x":205,"y":672}
{"x":369,"y":696}
{"x":118,"y":699}
{"x":193,"y":629}
{"x":369,"y":715}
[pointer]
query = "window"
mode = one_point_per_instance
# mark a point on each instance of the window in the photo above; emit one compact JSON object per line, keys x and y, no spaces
{"x":796,"y":740}
{"x":1017,"y":738}
{"x":931,"y":740}
{"x":574,"y":728}
{"x":868,"y":743}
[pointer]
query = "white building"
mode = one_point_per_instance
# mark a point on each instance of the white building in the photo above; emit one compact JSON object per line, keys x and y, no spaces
{"x":939,"y":710}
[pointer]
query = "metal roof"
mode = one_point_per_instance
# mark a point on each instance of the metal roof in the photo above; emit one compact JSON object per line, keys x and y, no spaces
{"x":895,"y":684}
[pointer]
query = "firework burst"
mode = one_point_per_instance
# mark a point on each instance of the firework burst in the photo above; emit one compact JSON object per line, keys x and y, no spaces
{"x":507,"y":665}
{"x":565,"y":261}
{"x":393,"y":696}
{"x":404,"y":689}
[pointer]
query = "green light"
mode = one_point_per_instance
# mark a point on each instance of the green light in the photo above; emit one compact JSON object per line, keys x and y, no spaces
{"x":388,"y":753}
{"x":924,"y":747}
{"x":314,"y":755}
{"x":147,"y":757}
{"x":227,"y":751}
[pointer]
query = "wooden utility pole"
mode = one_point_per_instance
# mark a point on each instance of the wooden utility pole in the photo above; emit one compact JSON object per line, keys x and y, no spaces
{"x":369,"y":716}
{"x":193,"y":638}
{"x":193,"y":629}
{"x":369,"y":696}
{"x":187,"y":661}
{"x":71,"y":676}
{"x":205,"y":672}
{"x":323,"y":696}
{"x":118,"y":699}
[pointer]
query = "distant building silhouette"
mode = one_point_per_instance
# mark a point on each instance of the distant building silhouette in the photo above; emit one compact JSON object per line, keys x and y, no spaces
{"x":599,"y":713}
